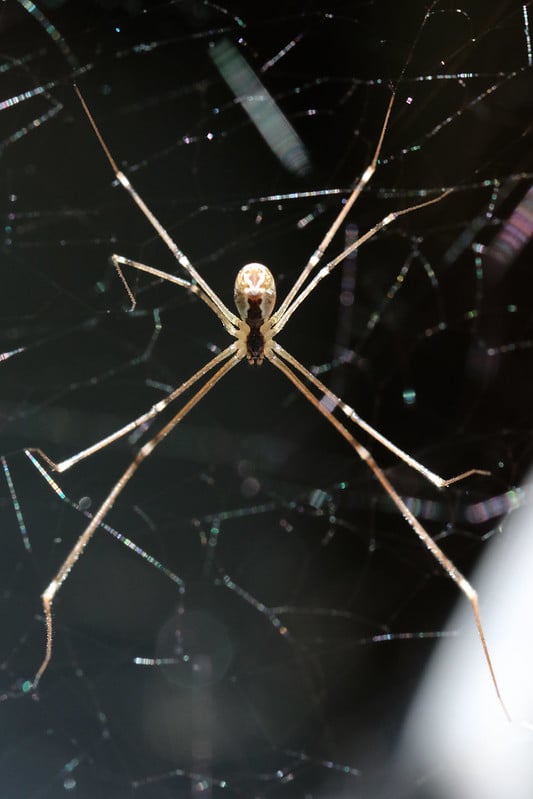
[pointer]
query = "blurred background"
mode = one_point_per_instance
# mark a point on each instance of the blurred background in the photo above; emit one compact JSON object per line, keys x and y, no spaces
{"x":256,"y":617}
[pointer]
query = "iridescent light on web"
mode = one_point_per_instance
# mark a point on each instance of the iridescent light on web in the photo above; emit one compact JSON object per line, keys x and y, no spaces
{"x":527,"y":35}
{"x":514,"y":235}
{"x":497,"y":506}
{"x":261,"y":107}
{"x":127,"y":542}
{"x":51,"y":30}
{"x":16,"y":505}
{"x":409,"y":396}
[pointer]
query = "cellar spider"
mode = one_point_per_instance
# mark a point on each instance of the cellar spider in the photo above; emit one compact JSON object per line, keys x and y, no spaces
{"x":254,"y":331}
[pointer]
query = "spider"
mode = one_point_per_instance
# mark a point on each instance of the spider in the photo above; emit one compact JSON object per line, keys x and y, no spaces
{"x":254,"y":332}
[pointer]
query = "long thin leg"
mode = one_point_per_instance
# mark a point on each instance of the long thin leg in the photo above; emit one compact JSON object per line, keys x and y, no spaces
{"x":281,"y":319}
{"x":78,"y":548}
{"x":411,"y":519}
{"x":341,"y":216}
{"x":120,"y":260}
{"x":156,"y":224}
{"x":156,"y":409}
{"x":336,"y":402}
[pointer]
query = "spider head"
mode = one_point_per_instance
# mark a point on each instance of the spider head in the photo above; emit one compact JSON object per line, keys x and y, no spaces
{"x":255,"y":294}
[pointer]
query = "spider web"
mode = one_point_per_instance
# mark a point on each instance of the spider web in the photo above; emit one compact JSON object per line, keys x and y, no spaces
{"x":260,"y":625}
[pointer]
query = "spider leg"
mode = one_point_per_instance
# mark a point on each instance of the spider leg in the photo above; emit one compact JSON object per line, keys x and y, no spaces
{"x":448,"y":566}
{"x":156,"y":409}
{"x":120,"y":260}
{"x":156,"y":224}
{"x":336,"y":402}
{"x":281,"y":319}
{"x":341,"y":216}
{"x":234,"y":356}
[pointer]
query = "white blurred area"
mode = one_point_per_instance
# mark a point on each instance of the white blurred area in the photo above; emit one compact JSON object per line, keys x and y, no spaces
{"x":456,"y":741}
{"x":261,"y":107}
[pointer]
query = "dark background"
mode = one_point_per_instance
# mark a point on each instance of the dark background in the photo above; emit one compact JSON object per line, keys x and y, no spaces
{"x":255,"y":502}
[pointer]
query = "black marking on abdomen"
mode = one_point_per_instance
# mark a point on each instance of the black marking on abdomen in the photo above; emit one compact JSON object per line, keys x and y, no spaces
{"x":255,"y":341}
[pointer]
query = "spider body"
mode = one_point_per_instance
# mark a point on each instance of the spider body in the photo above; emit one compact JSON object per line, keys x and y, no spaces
{"x":255,"y":296}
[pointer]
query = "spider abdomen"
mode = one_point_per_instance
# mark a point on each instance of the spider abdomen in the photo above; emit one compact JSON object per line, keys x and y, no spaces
{"x":255,"y":346}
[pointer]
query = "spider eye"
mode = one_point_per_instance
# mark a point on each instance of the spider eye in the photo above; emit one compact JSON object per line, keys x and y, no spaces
{"x":255,"y":293}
